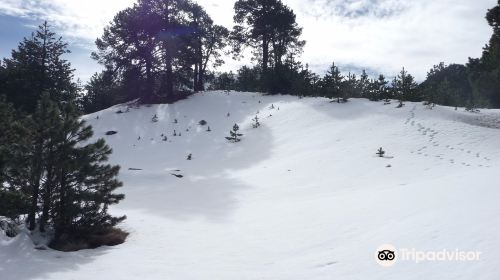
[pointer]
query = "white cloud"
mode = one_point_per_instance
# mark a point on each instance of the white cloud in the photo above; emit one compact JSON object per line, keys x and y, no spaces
{"x":81,"y":20}
{"x":380,"y":34}
{"x":421,"y":35}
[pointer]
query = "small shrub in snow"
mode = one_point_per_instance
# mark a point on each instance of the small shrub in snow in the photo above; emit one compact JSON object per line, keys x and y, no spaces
{"x":256,"y":122}
{"x":203,"y":122}
{"x":380,"y":152}
{"x":208,"y":129}
{"x":190,"y":156}
{"x":111,"y":132}
{"x":175,"y":133}
{"x":175,"y":121}
{"x":154,"y":118}
{"x":234,"y":134}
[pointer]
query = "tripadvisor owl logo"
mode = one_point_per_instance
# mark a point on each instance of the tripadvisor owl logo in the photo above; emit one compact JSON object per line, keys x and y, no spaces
{"x":386,"y":255}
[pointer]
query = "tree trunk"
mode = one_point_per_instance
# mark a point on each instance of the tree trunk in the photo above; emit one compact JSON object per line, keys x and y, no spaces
{"x":201,"y":78}
{"x":47,"y":193}
{"x":35,"y":183}
{"x":61,"y":220}
{"x":149,"y":81}
{"x":169,"y":82}
{"x":265,"y":52}
{"x":196,"y":75}
{"x":47,"y":197}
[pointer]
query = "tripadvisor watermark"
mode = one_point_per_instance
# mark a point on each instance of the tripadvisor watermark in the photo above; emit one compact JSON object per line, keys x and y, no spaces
{"x":387,"y":255}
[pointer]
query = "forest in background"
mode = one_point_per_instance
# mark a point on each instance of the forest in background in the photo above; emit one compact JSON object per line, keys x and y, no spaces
{"x":161,"y":51}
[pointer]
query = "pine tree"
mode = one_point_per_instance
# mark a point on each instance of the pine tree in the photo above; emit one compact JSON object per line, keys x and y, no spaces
{"x":103,"y":91}
{"x":382,"y":90}
{"x":62,"y":176}
{"x":364,"y":85}
{"x":13,"y":202}
{"x":234,"y":134}
{"x":380,"y":152}
{"x":85,"y":182}
{"x":36,"y":67}
{"x":154,"y":118}
{"x":405,"y":87}
{"x":350,"y":87}
{"x":270,"y":27}
{"x":256,"y":122}
{"x":331,"y":84}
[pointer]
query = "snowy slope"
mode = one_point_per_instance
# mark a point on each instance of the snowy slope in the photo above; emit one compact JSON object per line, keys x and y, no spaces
{"x":301,"y":197}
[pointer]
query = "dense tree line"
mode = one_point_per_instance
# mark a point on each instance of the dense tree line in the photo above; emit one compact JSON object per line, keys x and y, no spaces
{"x":52,"y":177}
{"x":334,"y":85}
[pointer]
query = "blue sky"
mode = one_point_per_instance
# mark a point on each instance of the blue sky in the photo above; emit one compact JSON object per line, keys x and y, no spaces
{"x":380,"y":35}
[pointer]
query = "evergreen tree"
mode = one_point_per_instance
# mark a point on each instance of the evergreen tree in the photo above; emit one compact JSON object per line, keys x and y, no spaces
{"x":233,"y":134}
{"x":447,"y":85}
{"x":306,"y":83}
{"x":331,"y":84}
{"x":256,"y":122}
{"x":224,"y":81}
{"x":102,"y":91}
{"x":12,"y":202}
{"x":363,"y":85}
{"x":382,"y":90}
{"x":60,"y":179}
{"x":349,"y":87}
{"x":270,"y":28}
{"x":484,"y":73}
{"x":85,"y":183}
{"x":37,"y":66}
{"x":405,"y":87}
{"x":208,"y":41}
{"x":248,"y":79}
{"x":154,"y":46}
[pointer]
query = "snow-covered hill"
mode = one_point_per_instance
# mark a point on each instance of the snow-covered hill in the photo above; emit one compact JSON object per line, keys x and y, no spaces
{"x":301,"y":197}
